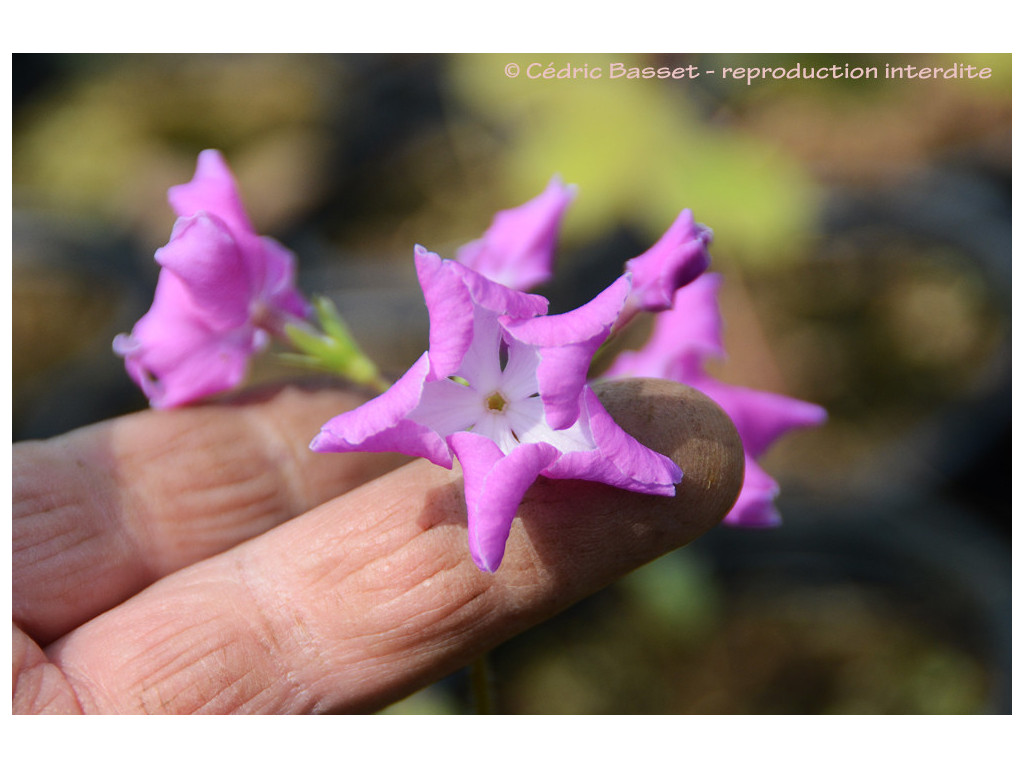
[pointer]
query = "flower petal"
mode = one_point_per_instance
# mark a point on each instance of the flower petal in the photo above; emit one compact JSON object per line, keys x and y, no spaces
{"x":382,"y":424}
{"x":683,"y":337}
{"x":620,"y":460}
{"x":174,"y":356}
{"x":213,"y":189}
{"x":567,"y":344}
{"x":447,"y":406}
{"x":679,"y":256}
{"x":278,"y":286}
{"x":481,"y":363}
{"x":206,"y":258}
{"x":494,"y":486}
{"x":761,"y":418}
{"x":451,"y":292}
{"x":517,"y":250}
{"x":755,"y":506}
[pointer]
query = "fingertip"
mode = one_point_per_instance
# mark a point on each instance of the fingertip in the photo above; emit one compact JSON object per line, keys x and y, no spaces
{"x":691,"y":430}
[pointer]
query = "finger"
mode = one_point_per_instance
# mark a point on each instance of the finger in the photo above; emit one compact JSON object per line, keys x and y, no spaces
{"x":373,"y":595}
{"x":102,"y":512}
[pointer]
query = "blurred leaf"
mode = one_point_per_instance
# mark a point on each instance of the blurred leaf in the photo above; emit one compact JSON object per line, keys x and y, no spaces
{"x":677,"y":591}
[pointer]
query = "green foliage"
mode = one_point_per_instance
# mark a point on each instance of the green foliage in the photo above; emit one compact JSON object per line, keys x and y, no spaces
{"x":334,"y":350}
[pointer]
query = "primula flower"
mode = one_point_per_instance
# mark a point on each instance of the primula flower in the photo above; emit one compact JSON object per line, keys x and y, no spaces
{"x":222,"y":290}
{"x":683,"y":339}
{"x":503,"y":389}
{"x":518,"y":248}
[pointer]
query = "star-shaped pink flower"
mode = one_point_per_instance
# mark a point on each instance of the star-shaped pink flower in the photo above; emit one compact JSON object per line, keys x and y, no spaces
{"x":222,"y":291}
{"x":503,"y":389}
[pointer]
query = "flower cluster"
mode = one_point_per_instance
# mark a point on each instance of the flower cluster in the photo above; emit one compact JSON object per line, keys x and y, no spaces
{"x":503,"y":387}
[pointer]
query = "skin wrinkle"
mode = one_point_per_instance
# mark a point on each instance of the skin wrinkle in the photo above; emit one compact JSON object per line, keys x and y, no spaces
{"x":45,"y":515}
{"x":375,"y":577}
{"x":212,"y":534}
{"x":157,"y":690}
{"x":203,"y":688}
{"x":34,"y":671}
{"x":381,"y":589}
{"x":215,"y":659}
{"x":389,"y":631}
{"x":237,"y":706}
{"x":278,"y":620}
{"x":283,"y":454}
{"x":94,"y":547}
{"x":116,"y":485}
{"x":242,"y":491}
{"x":72,"y":539}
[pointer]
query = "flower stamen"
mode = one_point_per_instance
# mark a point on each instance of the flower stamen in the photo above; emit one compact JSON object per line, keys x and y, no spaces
{"x":496,"y":402}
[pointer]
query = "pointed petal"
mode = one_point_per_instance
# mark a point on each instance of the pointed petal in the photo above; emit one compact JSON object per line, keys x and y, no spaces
{"x":382,"y":424}
{"x":761,"y":418}
{"x":567,"y":345}
{"x":495,"y":485}
{"x":213,"y":189}
{"x":451,"y":291}
{"x":755,"y":506}
{"x":450,"y":308}
{"x":679,"y":256}
{"x":518,"y":248}
{"x":619,"y":460}
{"x":696,"y":316}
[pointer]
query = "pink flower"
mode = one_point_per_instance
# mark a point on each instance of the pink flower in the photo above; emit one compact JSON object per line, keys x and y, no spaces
{"x":222,"y":290}
{"x":683,"y":339}
{"x":503,"y":389}
{"x":518,"y":248}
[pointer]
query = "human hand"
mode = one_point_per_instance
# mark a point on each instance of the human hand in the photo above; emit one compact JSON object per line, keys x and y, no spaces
{"x":165,"y":562}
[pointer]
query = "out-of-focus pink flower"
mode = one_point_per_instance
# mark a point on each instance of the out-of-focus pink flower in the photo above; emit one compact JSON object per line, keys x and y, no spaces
{"x":503,"y":389}
{"x":518,"y":249}
{"x":222,"y":291}
{"x":683,"y":339}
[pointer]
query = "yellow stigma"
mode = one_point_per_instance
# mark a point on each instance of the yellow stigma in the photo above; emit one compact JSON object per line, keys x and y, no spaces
{"x":496,"y":402}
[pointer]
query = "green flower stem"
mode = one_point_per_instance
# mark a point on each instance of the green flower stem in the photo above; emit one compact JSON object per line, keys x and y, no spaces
{"x":333,"y":350}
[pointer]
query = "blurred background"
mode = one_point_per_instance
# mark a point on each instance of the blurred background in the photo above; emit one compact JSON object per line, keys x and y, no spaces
{"x":863,"y":226}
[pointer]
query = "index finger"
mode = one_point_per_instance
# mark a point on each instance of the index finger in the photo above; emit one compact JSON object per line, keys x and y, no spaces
{"x":372,"y":595}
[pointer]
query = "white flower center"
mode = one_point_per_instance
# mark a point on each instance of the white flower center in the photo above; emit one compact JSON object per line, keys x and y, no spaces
{"x":494,"y":393}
